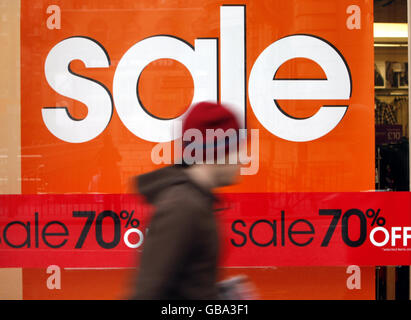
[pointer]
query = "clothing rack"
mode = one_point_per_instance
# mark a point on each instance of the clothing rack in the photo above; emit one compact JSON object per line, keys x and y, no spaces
{"x":392,"y":166}
{"x":392,"y":110}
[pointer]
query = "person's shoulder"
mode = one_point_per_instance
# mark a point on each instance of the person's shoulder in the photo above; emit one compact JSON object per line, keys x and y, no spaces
{"x":177,"y":207}
{"x":182,"y":196}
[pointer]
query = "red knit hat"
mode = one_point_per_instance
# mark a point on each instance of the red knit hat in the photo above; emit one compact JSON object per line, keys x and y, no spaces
{"x":212,"y":115}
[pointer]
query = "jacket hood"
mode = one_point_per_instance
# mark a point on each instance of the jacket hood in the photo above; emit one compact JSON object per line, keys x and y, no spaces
{"x":153,"y":183}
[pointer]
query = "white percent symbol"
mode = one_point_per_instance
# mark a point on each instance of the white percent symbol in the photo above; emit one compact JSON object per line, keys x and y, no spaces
{"x":128,"y":243}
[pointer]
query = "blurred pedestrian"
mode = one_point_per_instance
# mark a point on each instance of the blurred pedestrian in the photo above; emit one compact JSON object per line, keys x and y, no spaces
{"x":181,"y":250}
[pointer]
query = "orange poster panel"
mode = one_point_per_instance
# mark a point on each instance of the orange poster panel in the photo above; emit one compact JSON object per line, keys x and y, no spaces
{"x":295,"y":283}
{"x":88,"y":42}
{"x":341,"y":160}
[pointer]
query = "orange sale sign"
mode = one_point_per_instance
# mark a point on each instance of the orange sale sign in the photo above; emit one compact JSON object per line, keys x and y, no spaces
{"x":109,"y":85}
{"x":103,"y":85}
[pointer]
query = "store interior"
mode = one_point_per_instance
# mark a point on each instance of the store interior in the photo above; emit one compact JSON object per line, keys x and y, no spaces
{"x":391,"y":123}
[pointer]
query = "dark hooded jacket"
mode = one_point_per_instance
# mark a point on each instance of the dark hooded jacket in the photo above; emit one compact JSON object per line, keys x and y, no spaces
{"x":180,"y":254}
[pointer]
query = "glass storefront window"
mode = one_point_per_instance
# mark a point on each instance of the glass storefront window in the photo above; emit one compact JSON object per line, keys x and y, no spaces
{"x":392,"y":99}
{"x":92,"y":89}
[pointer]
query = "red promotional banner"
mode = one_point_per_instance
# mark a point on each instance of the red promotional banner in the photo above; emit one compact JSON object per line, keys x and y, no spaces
{"x":258,"y":229}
